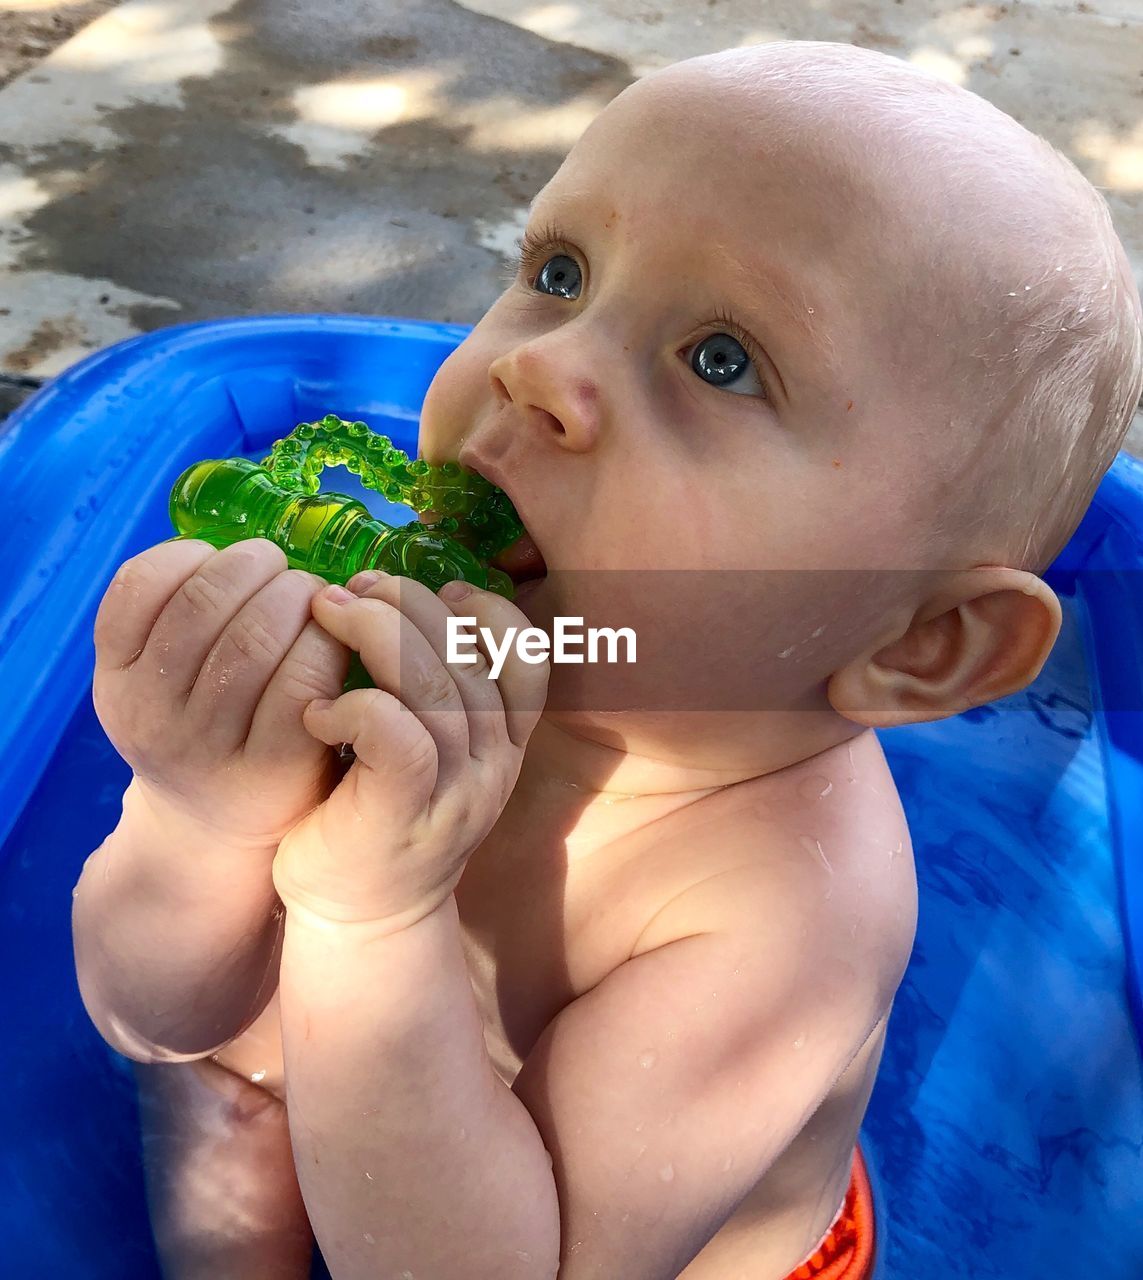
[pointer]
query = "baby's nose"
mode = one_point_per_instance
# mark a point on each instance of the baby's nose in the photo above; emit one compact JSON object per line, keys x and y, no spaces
{"x":567,"y":408}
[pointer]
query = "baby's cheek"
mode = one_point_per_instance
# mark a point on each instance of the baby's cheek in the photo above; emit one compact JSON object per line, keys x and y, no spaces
{"x":438,"y":427}
{"x":451,"y":402}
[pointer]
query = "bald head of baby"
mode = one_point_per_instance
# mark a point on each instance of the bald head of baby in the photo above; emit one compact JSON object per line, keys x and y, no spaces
{"x":991,"y":288}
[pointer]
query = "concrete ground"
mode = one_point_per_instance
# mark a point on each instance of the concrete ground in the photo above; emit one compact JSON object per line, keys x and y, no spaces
{"x":181,"y":159}
{"x":34,"y":28}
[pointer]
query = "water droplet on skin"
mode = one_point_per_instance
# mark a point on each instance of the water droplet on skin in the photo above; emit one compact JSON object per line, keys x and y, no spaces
{"x":852,"y":766}
{"x":524,"y":1257}
{"x":368,"y":1176}
{"x":814,"y":634}
{"x":815,"y":787}
{"x":162,"y":671}
{"x":256,"y":1077}
{"x":648,"y":1058}
{"x":800,"y":1042}
{"x":812,"y":845}
{"x":368,"y":1238}
{"x":667,"y":1172}
{"x":786,"y":652}
{"x":728,"y":1164}
{"x":639,"y":1127}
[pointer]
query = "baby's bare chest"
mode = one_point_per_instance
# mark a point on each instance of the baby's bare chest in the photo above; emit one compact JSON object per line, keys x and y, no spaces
{"x":537,"y":936}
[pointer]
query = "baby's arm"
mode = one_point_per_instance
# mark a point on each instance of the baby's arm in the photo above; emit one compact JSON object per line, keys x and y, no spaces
{"x":412,"y":1156}
{"x":176,"y":934}
{"x":204,"y":662}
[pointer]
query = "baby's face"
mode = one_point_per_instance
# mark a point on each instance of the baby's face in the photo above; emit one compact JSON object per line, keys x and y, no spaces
{"x":687,"y":375}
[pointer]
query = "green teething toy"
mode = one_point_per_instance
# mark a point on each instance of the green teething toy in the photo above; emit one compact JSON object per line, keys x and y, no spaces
{"x":330,"y":534}
{"x":335,"y":536}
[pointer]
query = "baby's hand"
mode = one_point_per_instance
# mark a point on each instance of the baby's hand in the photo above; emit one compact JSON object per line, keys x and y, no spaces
{"x":438,"y":752}
{"x":205,"y":661}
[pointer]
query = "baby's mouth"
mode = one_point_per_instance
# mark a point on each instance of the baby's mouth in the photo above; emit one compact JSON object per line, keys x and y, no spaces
{"x":521,"y":559}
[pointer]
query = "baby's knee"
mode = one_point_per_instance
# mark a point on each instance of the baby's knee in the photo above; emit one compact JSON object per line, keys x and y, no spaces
{"x":221,"y":1186}
{"x":207,"y":1098}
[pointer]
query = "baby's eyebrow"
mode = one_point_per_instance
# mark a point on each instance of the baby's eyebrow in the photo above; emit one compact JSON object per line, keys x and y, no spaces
{"x":780,"y":289}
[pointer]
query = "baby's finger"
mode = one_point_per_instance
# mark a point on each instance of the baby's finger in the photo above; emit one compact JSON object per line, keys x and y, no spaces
{"x":315,"y":667}
{"x":403,"y":663}
{"x":253,"y":644}
{"x":431,"y":616}
{"x":137,"y":595}
{"x":396,"y":768}
{"x":194,"y":618}
{"x":523,"y":684}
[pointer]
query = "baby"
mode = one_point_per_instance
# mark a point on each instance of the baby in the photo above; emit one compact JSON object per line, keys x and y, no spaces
{"x":811,"y":366}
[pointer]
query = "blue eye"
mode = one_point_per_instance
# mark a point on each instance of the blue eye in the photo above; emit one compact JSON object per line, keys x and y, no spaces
{"x":722,"y":358}
{"x":560,"y":276}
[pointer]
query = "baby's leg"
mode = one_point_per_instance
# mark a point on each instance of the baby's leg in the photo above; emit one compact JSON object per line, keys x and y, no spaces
{"x":221,"y":1186}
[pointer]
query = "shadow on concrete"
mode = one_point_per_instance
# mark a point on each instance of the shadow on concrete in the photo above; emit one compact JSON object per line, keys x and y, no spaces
{"x":208,"y":204}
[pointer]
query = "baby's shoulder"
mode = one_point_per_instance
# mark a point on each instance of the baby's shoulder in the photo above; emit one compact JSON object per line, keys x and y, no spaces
{"x":813,"y":870}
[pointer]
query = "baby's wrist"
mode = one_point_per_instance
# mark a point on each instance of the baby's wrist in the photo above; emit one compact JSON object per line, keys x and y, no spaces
{"x":169,"y":822}
{"x":159,"y":857}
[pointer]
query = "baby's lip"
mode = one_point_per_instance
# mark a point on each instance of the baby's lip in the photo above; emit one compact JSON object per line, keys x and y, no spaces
{"x":522,"y":560}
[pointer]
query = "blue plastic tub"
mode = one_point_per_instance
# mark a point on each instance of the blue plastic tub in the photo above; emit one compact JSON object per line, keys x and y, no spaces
{"x":1005,"y":1134}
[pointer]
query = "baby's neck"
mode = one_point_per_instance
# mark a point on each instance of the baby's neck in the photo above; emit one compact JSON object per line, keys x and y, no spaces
{"x":619,"y":760}
{"x":590,"y":793}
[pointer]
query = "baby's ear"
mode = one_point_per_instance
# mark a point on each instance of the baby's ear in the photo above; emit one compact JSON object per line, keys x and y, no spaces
{"x":984,"y":634}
